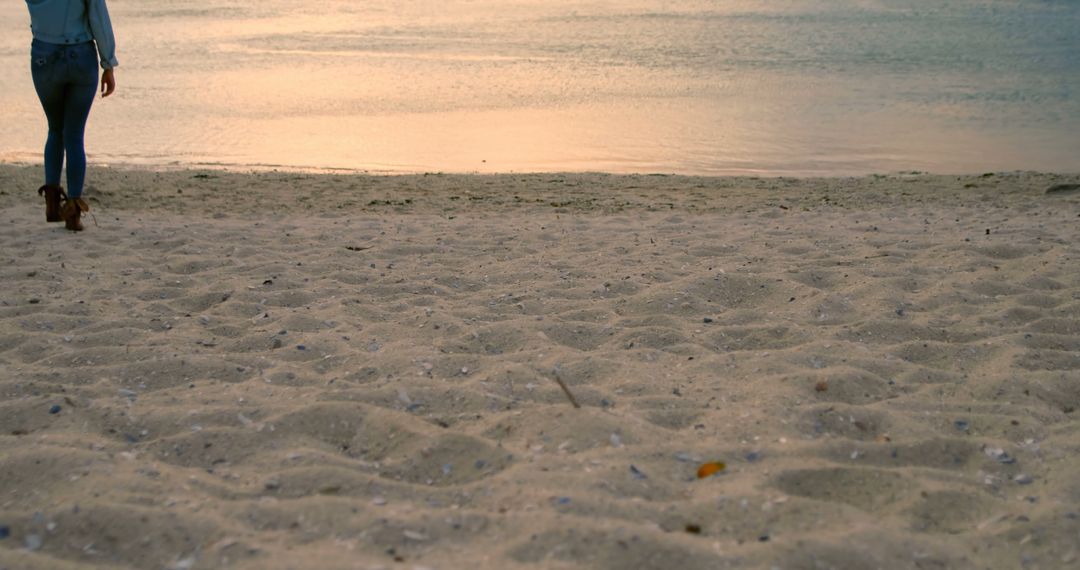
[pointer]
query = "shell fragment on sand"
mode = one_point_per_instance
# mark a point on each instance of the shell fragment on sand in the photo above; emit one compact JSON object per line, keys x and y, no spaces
{"x":709,"y":469}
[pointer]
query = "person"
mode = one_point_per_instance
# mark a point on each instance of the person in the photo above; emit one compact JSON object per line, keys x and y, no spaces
{"x":70,"y":38}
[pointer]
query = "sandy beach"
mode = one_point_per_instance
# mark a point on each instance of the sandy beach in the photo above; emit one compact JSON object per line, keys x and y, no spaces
{"x":291,"y":371}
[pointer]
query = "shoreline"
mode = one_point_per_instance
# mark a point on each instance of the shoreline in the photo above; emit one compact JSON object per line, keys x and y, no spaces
{"x":281,"y":370}
{"x":207,"y":191}
{"x":346,"y":171}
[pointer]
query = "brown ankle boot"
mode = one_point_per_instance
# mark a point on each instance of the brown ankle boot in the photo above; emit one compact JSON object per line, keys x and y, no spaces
{"x":53,"y":196}
{"x":72,"y":211}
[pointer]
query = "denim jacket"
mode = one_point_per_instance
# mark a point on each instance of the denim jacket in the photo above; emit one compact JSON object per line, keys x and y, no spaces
{"x":69,"y":22}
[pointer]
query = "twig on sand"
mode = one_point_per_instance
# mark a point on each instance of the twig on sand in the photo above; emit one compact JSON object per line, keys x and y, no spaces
{"x":1063,"y":189}
{"x":569,"y":394}
{"x":358,"y":247}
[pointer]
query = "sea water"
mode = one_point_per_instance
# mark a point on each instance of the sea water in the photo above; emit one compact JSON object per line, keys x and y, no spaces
{"x":770,"y":87}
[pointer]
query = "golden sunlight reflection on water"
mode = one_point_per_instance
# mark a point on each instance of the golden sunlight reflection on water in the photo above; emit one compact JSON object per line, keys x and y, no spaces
{"x":790,"y":88}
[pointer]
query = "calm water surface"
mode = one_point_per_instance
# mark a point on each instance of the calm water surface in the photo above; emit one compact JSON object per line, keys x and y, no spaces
{"x":791,"y":87}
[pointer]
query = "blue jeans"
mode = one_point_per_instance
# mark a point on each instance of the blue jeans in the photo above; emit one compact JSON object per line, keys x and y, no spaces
{"x":65,"y":77}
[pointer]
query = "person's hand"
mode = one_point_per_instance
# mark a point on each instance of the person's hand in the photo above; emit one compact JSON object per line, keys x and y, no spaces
{"x":108,"y":83}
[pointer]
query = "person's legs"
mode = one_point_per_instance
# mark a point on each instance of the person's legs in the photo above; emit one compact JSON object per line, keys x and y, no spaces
{"x":46,"y":65}
{"x":78,"y":98}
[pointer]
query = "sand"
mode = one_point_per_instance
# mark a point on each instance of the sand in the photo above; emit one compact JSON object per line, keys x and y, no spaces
{"x":278,"y":370}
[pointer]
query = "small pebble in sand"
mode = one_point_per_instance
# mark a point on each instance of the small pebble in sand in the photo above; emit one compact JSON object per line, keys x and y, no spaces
{"x":999,"y":455}
{"x":413,"y":535}
{"x":1024,"y":479}
{"x":378,"y":501}
{"x":637,"y":473}
{"x":821,"y":386}
{"x":301,"y":347}
{"x":693,"y":528}
{"x":55,"y":409}
{"x":707,"y":320}
{"x":276,"y":343}
{"x":33,"y":542}
{"x":961,"y":425}
{"x":5,"y":532}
